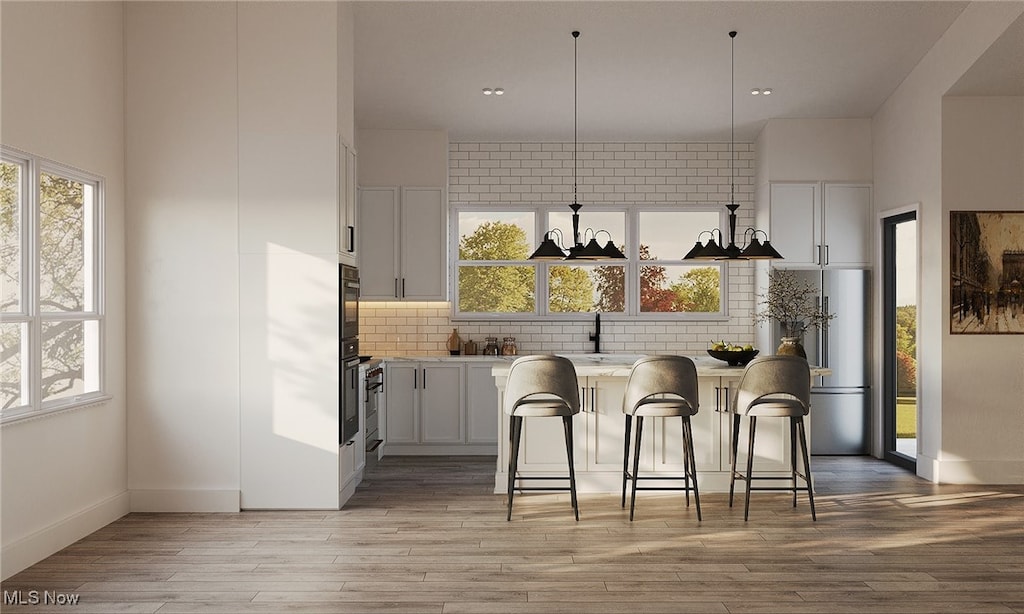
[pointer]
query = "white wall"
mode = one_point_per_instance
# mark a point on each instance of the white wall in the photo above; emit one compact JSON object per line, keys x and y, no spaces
{"x":63,"y":475}
{"x":182,"y":144}
{"x":815,"y":150}
{"x":907,"y":158}
{"x":983,"y":169}
{"x":414,"y":158}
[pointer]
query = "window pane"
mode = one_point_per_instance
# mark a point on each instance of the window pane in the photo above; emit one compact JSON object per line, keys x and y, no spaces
{"x":680,"y":288}
{"x":70,"y":358}
{"x":10,"y":237}
{"x":668,"y":235}
{"x":496,"y":235}
{"x":584,"y":289}
{"x":612,"y":222}
{"x":64,"y":213}
{"x":13,"y":377}
{"x":496,"y":289}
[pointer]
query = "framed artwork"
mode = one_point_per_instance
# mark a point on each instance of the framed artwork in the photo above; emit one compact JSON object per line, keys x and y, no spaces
{"x":986,"y":255}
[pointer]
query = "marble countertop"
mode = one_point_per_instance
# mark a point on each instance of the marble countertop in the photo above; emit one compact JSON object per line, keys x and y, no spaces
{"x":593,"y":365}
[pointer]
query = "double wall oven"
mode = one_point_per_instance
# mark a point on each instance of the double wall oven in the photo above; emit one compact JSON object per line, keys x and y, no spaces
{"x":348,"y":278}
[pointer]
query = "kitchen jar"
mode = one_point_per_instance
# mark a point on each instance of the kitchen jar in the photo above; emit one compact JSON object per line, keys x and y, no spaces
{"x":491,"y":347}
{"x":509,"y":347}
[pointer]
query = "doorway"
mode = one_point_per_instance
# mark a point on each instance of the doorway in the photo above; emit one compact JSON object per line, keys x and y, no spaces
{"x":899,"y":296}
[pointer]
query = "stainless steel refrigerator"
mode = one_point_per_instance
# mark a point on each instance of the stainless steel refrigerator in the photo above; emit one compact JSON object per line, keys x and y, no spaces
{"x":840,"y":403}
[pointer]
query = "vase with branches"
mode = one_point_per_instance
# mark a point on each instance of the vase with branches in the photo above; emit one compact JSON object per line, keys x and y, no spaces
{"x":794,"y":303}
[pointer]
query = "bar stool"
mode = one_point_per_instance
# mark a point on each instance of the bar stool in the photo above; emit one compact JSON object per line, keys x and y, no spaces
{"x":773,"y":387}
{"x":660,"y":386}
{"x":541,"y":386}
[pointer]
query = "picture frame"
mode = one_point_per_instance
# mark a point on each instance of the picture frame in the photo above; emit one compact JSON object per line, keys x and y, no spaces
{"x":986,"y":272}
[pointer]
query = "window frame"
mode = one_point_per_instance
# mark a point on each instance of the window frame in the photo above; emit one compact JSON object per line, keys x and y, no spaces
{"x":31,"y":316}
{"x":632,"y":263}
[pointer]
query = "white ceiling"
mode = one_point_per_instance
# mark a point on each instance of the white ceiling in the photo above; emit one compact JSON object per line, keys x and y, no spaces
{"x":1000,"y":71}
{"x":647,"y":70}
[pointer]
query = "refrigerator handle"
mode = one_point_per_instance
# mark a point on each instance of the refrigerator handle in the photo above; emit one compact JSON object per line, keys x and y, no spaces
{"x":824,"y":335}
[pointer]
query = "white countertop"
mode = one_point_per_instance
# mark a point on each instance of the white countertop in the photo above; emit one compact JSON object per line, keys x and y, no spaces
{"x":593,"y":365}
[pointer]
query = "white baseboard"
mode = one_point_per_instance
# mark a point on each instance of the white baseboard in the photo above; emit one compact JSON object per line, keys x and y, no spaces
{"x":35,"y":547}
{"x":432,"y":449}
{"x":185,"y":500}
{"x":977,"y":471}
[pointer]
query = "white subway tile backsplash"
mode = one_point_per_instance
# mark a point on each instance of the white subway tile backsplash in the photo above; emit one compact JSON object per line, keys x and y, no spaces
{"x":621,"y":173}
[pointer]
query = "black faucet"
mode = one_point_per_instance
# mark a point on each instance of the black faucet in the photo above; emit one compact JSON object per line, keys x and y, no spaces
{"x":596,"y":336}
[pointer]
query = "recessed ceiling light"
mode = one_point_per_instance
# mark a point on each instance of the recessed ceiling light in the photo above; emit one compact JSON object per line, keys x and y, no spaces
{"x":757,"y":91}
{"x":488,"y":91}
{"x":767,"y":91}
{"x":498,"y":91}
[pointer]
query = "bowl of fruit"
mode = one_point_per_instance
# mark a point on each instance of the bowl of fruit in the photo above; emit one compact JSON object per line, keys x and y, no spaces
{"x":735,"y":355}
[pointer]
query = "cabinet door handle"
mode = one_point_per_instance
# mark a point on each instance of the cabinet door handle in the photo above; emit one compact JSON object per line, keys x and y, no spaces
{"x":593,"y":399}
{"x":424,"y":378}
{"x":727,"y":401}
{"x":826,"y":253}
{"x":583,"y":398}
{"x":403,"y":287}
{"x":351,"y":239}
{"x":817,"y":255}
{"x":415,"y":377}
{"x":396,"y":287}
{"x":718,"y":398}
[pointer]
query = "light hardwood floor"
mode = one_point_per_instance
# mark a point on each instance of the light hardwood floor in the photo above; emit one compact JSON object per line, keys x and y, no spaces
{"x":426,"y":535}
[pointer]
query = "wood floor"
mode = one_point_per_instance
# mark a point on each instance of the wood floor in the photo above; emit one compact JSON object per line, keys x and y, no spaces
{"x":426,"y":535}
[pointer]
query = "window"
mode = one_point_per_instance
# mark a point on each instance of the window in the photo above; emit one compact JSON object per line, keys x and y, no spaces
{"x":495,"y":279}
{"x":50,"y":286}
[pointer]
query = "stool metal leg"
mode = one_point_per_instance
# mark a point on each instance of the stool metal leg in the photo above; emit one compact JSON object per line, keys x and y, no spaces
{"x":688,"y":451}
{"x":515,"y":433}
{"x":807,"y":465}
{"x":625,"y":458}
{"x":733,"y":453}
{"x":792,"y":453}
{"x":567,"y":425}
{"x":686,"y":461}
{"x":636,"y":463}
{"x":750,"y":465}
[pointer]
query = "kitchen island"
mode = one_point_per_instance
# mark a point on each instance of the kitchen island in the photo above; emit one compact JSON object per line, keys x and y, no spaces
{"x":599,"y":431}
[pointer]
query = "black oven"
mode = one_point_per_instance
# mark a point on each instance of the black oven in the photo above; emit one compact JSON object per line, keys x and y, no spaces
{"x":350,"y":384}
{"x":348,"y":281}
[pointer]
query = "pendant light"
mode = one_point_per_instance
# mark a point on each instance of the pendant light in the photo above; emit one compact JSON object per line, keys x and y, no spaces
{"x":755,"y":249}
{"x":549,"y":249}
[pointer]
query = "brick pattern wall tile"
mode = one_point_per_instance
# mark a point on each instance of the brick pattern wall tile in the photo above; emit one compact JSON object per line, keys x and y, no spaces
{"x":608,"y":173}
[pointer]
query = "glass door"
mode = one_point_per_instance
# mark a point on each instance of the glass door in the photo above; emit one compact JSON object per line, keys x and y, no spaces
{"x":899,"y":257}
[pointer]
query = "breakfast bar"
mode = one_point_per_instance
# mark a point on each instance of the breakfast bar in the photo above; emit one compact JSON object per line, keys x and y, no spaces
{"x":599,"y":430}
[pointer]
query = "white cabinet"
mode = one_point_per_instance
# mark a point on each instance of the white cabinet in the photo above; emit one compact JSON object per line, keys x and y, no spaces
{"x":599,"y":434}
{"x":347,"y":219}
{"x":821,"y":224}
{"x":481,"y":399}
{"x":771,"y":442}
{"x":403,"y":238}
{"x":424,"y":403}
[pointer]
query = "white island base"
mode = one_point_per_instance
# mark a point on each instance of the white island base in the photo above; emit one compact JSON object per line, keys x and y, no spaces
{"x":599,"y":432}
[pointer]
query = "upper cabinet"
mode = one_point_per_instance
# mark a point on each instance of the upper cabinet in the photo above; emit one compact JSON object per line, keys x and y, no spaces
{"x":347,"y":214}
{"x":821,"y":224}
{"x":403,"y":236}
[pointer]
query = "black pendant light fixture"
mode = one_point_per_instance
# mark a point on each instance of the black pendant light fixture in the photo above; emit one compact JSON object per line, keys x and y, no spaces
{"x":755,"y":249}
{"x":549,"y":249}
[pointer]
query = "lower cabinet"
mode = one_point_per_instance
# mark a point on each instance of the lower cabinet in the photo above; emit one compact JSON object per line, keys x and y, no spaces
{"x":599,"y":439}
{"x":440,"y":407}
{"x":771,"y":442}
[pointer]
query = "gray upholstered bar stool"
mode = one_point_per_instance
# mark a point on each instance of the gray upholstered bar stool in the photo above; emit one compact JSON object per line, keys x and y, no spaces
{"x":773,"y":387}
{"x":665,"y":387}
{"x":544,"y":386}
